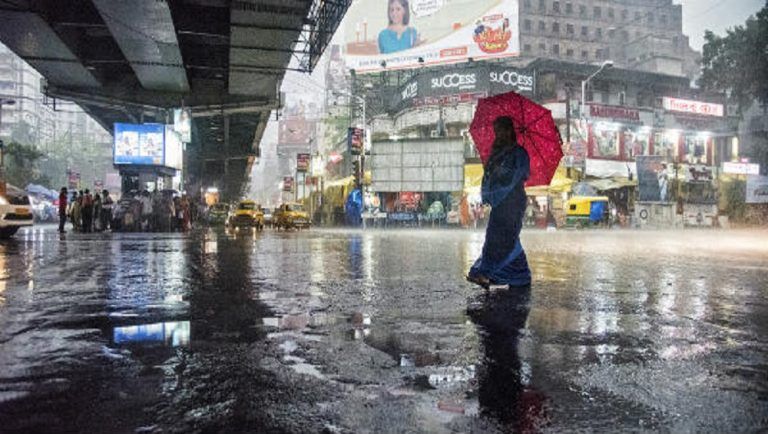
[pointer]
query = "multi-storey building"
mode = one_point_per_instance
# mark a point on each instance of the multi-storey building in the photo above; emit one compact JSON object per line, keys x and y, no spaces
{"x":645,"y":35}
{"x":37,"y":121}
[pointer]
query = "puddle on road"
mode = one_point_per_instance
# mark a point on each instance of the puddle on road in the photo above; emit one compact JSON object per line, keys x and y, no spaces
{"x":173,"y":333}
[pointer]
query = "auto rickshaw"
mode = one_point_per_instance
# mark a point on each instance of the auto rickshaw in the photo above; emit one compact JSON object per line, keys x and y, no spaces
{"x":584,"y":211}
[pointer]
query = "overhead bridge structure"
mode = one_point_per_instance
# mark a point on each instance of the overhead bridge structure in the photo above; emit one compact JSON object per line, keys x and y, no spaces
{"x":136,"y":60}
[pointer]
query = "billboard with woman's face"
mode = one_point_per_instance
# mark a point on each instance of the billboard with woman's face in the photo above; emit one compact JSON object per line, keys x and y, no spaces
{"x":396,"y":34}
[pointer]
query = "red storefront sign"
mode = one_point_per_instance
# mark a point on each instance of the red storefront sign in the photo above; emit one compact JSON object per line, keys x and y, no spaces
{"x":613,"y":112}
{"x":693,"y":107}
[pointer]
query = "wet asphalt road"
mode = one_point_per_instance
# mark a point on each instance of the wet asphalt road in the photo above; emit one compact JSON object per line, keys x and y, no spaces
{"x":376,"y":331}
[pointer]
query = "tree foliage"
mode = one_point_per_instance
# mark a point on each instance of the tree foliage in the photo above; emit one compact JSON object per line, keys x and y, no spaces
{"x":21,"y":164}
{"x":738,"y":62}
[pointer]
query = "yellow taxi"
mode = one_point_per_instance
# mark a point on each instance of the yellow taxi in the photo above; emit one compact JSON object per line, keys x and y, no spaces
{"x":247,"y":213}
{"x":291,"y":215}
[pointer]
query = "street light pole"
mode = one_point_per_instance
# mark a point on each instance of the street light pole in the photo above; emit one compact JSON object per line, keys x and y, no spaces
{"x":607,"y":64}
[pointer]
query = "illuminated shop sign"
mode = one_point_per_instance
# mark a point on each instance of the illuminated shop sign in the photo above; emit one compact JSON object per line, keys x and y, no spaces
{"x":613,"y":112}
{"x":693,"y":107}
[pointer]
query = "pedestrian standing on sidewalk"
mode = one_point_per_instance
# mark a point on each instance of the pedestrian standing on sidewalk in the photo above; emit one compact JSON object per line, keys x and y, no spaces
{"x":503,"y":260}
{"x":62,"y":209}
{"x":75,"y":212}
{"x":106,"y":207}
{"x":97,"y":210}
{"x":87,"y":211}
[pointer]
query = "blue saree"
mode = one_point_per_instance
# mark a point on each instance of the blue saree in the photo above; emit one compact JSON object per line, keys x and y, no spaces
{"x":503,"y":260}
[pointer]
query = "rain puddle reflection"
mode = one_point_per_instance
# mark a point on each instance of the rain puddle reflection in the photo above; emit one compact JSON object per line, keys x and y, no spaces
{"x":172,"y":333}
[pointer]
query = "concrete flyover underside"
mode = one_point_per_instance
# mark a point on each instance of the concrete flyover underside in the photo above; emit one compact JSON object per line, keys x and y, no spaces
{"x":136,"y":61}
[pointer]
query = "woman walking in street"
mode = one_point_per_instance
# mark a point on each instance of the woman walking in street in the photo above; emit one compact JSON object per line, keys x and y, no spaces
{"x":503,"y":260}
{"x":62,"y":209}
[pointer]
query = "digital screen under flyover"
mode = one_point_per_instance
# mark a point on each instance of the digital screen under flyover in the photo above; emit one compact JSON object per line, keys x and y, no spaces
{"x":139,"y":144}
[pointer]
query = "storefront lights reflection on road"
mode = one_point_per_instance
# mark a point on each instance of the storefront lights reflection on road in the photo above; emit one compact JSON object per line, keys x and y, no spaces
{"x":174,"y":334}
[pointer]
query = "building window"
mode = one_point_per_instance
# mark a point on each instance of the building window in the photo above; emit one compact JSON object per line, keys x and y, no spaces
{"x":598,"y":33}
{"x":555,"y":27}
{"x":542,"y":26}
{"x":625,"y":35}
{"x":527,"y":25}
{"x":598,"y":54}
{"x":582,"y":11}
{"x":542,"y":47}
{"x":569,"y":52}
{"x":611,"y":33}
{"x":584,"y":54}
{"x":598,"y":13}
{"x":556,"y":7}
{"x":624,"y":15}
{"x":527,"y":48}
{"x":638,"y":16}
{"x":569,"y":29}
{"x":604,"y":97}
{"x":542,"y":6}
{"x":663,"y":20}
{"x":556,"y":49}
{"x":527,"y":4}
{"x":569,"y":8}
{"x":651,"y":18}
{"x":584,"y":31}
{"x":610,"y":13}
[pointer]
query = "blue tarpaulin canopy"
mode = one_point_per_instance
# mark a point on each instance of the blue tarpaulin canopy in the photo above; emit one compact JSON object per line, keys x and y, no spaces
{"x":41,"y":191}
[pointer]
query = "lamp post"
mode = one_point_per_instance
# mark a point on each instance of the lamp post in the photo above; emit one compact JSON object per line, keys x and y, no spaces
{"x":607,"y":64}
{"x":3,"y":188}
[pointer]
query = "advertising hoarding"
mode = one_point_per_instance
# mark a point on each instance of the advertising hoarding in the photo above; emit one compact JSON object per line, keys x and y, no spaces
{"x":460,"y":84}
{"x":396,"y":34}
{"x":182,"y":124}
{"x":297,"y":131}
{"x":355,"y":140}
{"x":174,"y":154}
{"x":288,"y":183}
{"x":757,"y":189}
{"x":73,"y":180}
{"x":138,"y":144}
{"x":652,"y":178}
{"x":302,"y":162}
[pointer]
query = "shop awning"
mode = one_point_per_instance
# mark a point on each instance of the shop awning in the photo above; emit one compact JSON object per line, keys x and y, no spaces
{"x":473,"y":178}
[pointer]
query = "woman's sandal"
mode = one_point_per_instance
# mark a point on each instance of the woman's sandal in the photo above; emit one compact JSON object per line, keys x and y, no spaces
{"x":481,"y":281}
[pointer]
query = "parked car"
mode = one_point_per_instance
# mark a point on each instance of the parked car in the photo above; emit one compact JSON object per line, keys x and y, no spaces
{"x":291,"y":215}
{"x":247,"y":213}
{"x":15,"y":211}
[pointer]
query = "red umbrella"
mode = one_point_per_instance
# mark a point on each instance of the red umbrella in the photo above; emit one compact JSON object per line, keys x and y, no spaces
{"x":535,"y":128}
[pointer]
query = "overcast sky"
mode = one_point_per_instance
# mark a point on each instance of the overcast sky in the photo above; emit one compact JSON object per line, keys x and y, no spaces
{"x":715,"y":15}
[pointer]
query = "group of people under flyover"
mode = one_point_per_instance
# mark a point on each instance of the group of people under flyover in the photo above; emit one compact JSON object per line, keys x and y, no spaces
{"x":158,"y":211}
{"x":88,"y":212}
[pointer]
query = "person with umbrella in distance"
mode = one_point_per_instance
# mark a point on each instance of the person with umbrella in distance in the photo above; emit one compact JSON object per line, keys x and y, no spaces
{"x":520,"y":146}
{"x":503,"y":260}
